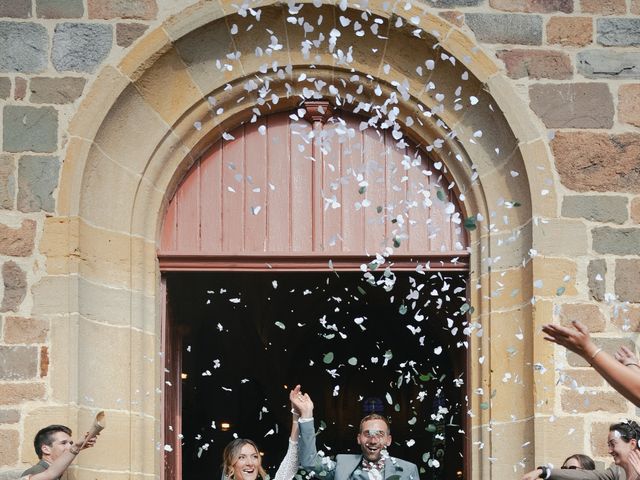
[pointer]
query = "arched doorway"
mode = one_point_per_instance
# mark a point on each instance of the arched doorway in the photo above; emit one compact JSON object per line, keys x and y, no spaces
{"x":295,"y":198}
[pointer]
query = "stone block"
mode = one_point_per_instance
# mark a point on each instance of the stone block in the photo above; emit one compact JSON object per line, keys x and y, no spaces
{"x":599,"y":433}
{"x":44,"y":361}
{"x":18,"y":363}
{"x":596,"y":275}
{"x":5,"y":88}
{"x":635,"y":7}
{"x":9,"y":416}
{"x":37,"y":180}
{"x":15,"y":8}
{"x":626,"y":318}
{"x":609,"y":345}
{"x":30,"y":129}
{"x":7,"y":181}
{"x":536,"y":63}
{"x":627,"y":284}
{"x":604,"y":7}
{"x":587,"y":313}
{"x":16,"y":393}
{"x":140,"y":9}
{"x":573,"y":105}
{"x":507,"y":28}
{"x":570,"y":31}
{"x":18,"y":242}
{"x":127,"y":33}
{"x":616,"y":241}
{"x":59,"y":8}
{"x":559,"y":237}
{"x":23,"y":47}
{"x":597,"y":161}
{"x":556,"y":437}
{"x":25,"y":330}
{"x":9,"y":440}
{"x":20,"y":90}
{"x":582,"y":378}
{"x":80,"y":47}
{"x":551,"y":275}
{"x":15,"y":286}
{"x":634,"y":211}
{"x":593,"y":401}
{"x":56,"y":90}
{"x":608,"y":64}
{"x":533,"y":6}
{"x":598,"y":208}
{"x":455,"y":17}
{"x":618,"y":32}
{"x":629,"y":104}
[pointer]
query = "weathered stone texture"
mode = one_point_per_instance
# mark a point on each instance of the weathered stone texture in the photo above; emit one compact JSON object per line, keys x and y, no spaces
{"x":598,"y":161}
{"x":627,"y":319}
{"x":599,"y":208}
{"x":7,"y":181}
{"x":9,"y":416}
{"x":634,"y":211}
{"x":80,"y":47}
{"x":582,"y":378}
{"x":141,"y":9}
{"x":610,"y":345}
{"x":587,"y":313}
{"x":596,"y":274}
{"x":454,"y":17}
{"x":23,"y":47}
{"x":570,"y":31}
{"x":15,"y":8}
{"x":629,"y":104}
{"x":514,"y":28}
{"x":16,"y":393}
{"x":536,"y":64}
{"x":9,"y":439}
{"x":618,"y":32}
{"x":5,"y":88}
{"x":573,"y":105}
{"x":546,"y":236}
{"x":15,"y":286}
{"x":604,"y":7}
{"x":44,"y":361}
{"x":127,"y":33}
{"x":20,"y":90}
{"x":59,"y":8}
{"x":18,"y":242}
{"x":37,"y":180}
{"x":25,"y":330}
{"x":606,"y":64}
{"x":616,"y":241}
{"x":533,"y":6}
{"x":627,"y":283}
{"x":30,"y":129}
{"x":56,"y":90}
{"x":18,"y":363}
{"x":593,"y":401}
{"x":635,"y":7}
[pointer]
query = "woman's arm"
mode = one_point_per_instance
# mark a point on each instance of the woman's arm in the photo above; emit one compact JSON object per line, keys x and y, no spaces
{"x":577,"y":339}
{"x":560,"y":474}
{"x":289,"y":465}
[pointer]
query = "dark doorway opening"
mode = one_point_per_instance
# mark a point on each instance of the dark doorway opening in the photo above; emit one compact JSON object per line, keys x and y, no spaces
{"x":244,"y":339}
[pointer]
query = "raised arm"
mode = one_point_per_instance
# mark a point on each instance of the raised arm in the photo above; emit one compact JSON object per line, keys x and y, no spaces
{"x":289,"y":465}
{"x":577,"y":339}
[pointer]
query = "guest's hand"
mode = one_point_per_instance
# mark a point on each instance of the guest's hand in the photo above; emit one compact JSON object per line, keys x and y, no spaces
{"x":576,"y":339}
{"x":86,"y":443}
{"x":532,"y":475}
{"x":301,"y":402}
{"x":626,"y":357}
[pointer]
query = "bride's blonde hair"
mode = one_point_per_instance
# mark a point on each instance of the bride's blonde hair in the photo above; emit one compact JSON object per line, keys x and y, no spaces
{"x":232,"y":453}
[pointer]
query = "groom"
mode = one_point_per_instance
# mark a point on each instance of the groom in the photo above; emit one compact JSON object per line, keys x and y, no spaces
{"x":374,"y":437}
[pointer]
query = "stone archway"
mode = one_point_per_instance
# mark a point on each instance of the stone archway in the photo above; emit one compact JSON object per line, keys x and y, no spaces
{"x":134,"y":138}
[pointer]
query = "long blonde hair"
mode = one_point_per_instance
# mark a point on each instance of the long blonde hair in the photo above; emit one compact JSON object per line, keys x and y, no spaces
{"x":232,"y":452}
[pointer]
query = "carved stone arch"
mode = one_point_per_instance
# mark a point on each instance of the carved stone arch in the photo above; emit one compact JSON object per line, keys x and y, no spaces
{"x":133,"y":139}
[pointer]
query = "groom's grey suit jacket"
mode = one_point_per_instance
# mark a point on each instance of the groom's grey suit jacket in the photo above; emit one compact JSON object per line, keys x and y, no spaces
{"x":345,"y":464}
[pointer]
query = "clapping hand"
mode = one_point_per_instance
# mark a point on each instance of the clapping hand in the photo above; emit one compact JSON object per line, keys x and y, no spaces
{"x":301,"y":402}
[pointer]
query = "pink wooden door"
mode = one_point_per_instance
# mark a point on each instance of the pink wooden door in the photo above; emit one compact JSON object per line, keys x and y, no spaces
{"x":283,"y":186}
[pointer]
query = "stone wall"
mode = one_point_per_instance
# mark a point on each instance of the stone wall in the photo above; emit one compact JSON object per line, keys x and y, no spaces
{"x":574,"y":62}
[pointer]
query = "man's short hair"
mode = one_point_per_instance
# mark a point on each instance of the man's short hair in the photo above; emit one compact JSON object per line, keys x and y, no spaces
{"x":45,"y":437}
{"x":375,"y":416}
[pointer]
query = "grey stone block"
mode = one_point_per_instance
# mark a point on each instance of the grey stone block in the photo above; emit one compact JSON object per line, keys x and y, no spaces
{"x":508,"y":28}
{"x":618,"y":32}
{"x":80,"y":47}
{"x":18,"y":363}
{"x":452,"y":3}
{"x":7,"y":181}
{"x":5,"y":87}
{"x":37,"y":180}
{"x":599,"y":208}
{"x":607,"y":64}
{"x":627,"y":284}
{"x":596,"y":273}
{"x":617,"y":241}
{"x":9,"y":416}
{"x":15,"y":8}
{"x":23,"y":47}
{"x":30,"y":129}
{"x":609,"y":345}
{"x":573,"y":105}
{"x":56,"y":90}
{"x":59,"y":8}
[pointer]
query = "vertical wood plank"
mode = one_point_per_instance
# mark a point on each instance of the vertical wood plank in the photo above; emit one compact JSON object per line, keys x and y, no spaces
{"x":233,"y":192}
{"x":374,"y":221}
{"x":255,"y":212}
{"x":351,"y":168}
{"x":211,"y":201}
{"x":331,"y":191}
{"x":188,"y":212}
{"x":279,"y":177}
{"x":301,"y":187}
{"x":169,"y":228}
{"x":419,"y":212}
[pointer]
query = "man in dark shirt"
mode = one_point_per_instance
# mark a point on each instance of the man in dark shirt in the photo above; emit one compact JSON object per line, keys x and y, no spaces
{"x":49,"y":443}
